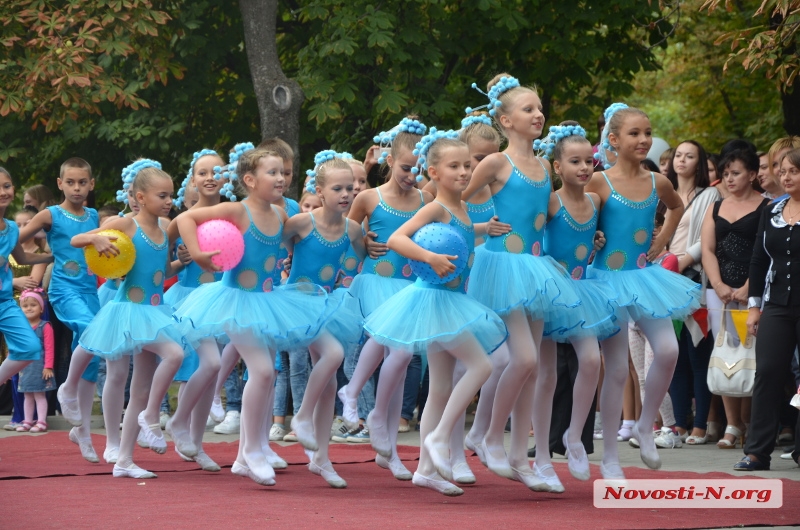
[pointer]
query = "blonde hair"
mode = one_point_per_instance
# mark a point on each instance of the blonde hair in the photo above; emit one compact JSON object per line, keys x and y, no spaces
{"x":480,"y":131}
{"x":41,"y":194}
{"x":279,"y":147}
{"x":439,"y":147}
{"x":248,"y":163}
{"x":618,"y":118}
{"x":792,"y":142}
{"x":145,"y":178}
{"x":324,"y":169}
{"x":508,"y":97}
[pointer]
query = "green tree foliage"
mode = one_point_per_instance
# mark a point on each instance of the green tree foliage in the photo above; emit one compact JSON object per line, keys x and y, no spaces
{"x":695,"y":97}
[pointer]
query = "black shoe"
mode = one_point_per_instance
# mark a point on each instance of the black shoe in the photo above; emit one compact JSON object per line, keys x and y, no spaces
{"x":746,"y":464}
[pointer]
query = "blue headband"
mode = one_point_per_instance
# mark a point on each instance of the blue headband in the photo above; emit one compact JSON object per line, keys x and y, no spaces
{"x":472,"y":119}
{"x":385,"y":139}
{"x":319,"y":159}
{"x":229,"y":171}
{"x":545,"y":146}
{"x":197,"y":156}
{"x":605,"y":146}
{"x":424,"y":146}
{"x":129,"y":175}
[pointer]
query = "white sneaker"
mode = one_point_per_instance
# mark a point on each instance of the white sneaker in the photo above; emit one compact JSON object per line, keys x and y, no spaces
{"x":163,"y":418}
{"x":668,"y":439}
{"x":230,"y":425}
{"x":339,"y":428}
{"x":277,"y":432}
{"x":210,"y":422}
{"x":217,"y":410}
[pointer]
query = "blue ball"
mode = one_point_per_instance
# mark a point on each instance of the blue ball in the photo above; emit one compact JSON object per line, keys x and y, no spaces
{"x":441,"y":239}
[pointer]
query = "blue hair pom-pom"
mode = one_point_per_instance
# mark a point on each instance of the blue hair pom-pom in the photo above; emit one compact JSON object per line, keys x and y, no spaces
{"x":129,"y":175}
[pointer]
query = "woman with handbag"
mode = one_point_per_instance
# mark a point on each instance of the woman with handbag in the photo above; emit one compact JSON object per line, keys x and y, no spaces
{"x":775,"y":286}
{"x":729,"y":232}
{"x":688,"y":172}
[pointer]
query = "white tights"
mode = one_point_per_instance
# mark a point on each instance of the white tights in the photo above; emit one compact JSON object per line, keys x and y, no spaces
{"x":114,"y":397}
{"x":642,"y":357}
{"x":588,"y":352}
{"x":255,"y":400}
{"x":194,"y":402}
{"x":369,"y":359}
{"x":385,"y":417}
{"x":661,"y":335}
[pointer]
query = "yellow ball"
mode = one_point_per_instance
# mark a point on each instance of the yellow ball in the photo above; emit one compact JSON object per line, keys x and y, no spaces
{"x":117,"y":266}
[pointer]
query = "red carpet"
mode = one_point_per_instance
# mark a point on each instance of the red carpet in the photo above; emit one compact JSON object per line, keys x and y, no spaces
{"x":183,"y":497}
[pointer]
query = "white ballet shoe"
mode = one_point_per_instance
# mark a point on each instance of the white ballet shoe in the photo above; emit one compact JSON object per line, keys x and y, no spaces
{"x":205,"y":462}
{"x":141,"y":440}
{"x":111,"y":454}
{"x":183,"y":456}
{"x":613,"y":474}
{"x":477,"y":447}
{"x":156,"y":443}
{"x":462,"y":474}
{"x":379,"y":437}
{"x":498,"y":465}
{"x":577,"y":460}
{"x":69,"y":408}
{"x":395,"y":466}
{"x":217,"y":410}
{"x":440,"y":458}
{"x":133,"y":471}
{"x":273,"y":459}
{"x":85,"y":445}
{"x":552,"y":482}
{"x":243,"y":471}
{"x":309,"y":454}
{"x":438,"y":484}
{"x":647,"y":447}
{"x":183,"y":444}
{"x":327,"y":472}
{"x":349,"y":409}
{"x":304,"y":430}
{"x":531,"y":480}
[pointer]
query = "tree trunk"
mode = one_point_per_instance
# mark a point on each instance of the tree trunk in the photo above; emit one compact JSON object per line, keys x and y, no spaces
{"x":279,"y":98}
{"x":791,"y":109}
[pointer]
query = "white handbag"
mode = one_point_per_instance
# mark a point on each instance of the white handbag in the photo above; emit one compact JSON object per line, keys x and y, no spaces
{"x":732,"y":369}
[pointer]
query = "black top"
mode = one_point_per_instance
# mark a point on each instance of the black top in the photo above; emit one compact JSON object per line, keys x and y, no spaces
{"x":735,"y":244}
{"x":775,"y":266}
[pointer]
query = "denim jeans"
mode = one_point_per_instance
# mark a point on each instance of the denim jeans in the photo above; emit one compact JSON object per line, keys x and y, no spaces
{"x":411,"y":389}
{"x":366,"y":398}
{"x":233,"y":391}
{"x":293,"y":378}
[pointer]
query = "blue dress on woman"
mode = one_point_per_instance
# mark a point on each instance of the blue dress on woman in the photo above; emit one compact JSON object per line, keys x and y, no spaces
{"x":511,"y":271}
{"x":383,"y":277}
{"x":317,"y":261}
{"x":425,"y":314}
{"x":570,"y":243}
{"x":249,"y":307}
{"x":137,"y":316}
{"x":644,"y":290}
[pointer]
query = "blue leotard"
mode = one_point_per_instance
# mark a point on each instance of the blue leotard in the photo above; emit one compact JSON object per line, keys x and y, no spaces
{"x":569,"y":242}
{"x":189,"y":279}
{"x":20,"y":338}
{"x":425,"y":314}
{"x":249,"y":307}
{"x":645,"y":290}
{"x":381,"y":278}
{"x":511,"y":271}
{"x":136,"y":317}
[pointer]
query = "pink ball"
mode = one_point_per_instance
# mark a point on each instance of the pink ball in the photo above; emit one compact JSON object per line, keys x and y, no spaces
{"x":218,"y":234}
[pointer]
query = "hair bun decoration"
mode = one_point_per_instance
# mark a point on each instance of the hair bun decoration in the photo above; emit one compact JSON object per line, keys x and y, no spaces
{"x":605,"y":145}
{"x":385,"y":139}
{"x":472,"y":119}
{"x":195,"y":157}
{"x":319,"y":159}
{"x":503,"y":85}
{"x":129,"y":174}
{"x":544,"y":147}
{"x":228,"y":171}
{"x":424,"y":146}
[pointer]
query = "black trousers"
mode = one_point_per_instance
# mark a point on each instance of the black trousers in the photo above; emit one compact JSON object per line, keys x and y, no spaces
{"x":778,"y":336}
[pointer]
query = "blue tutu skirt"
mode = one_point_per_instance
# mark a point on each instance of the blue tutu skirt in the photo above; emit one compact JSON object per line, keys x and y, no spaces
{"x":595,"y":317}
{"x":176,"y":294}
{"x":651,"y":292}
{"x":125,"y":328}
{"x":188,"y":367}
{"x":278,"y":320}
{"x":345,"y":322}
{"x":509,"y":282}
{"x":105,"y":293}
{"x":423,"y":315}
{"x":372,"y":290}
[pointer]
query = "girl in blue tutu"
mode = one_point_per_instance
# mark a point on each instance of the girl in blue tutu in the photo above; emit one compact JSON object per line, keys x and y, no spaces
{"x":515,"y":279}
{"x":383,"y":210}
{"x":320,"y":241}
{"x":199,"y":368}
{"x":647,"y":294}
{"x":439,"y":319}
{"x":569,"y":239}
{"x":247,"y":307}
{"x":137,"y":322}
